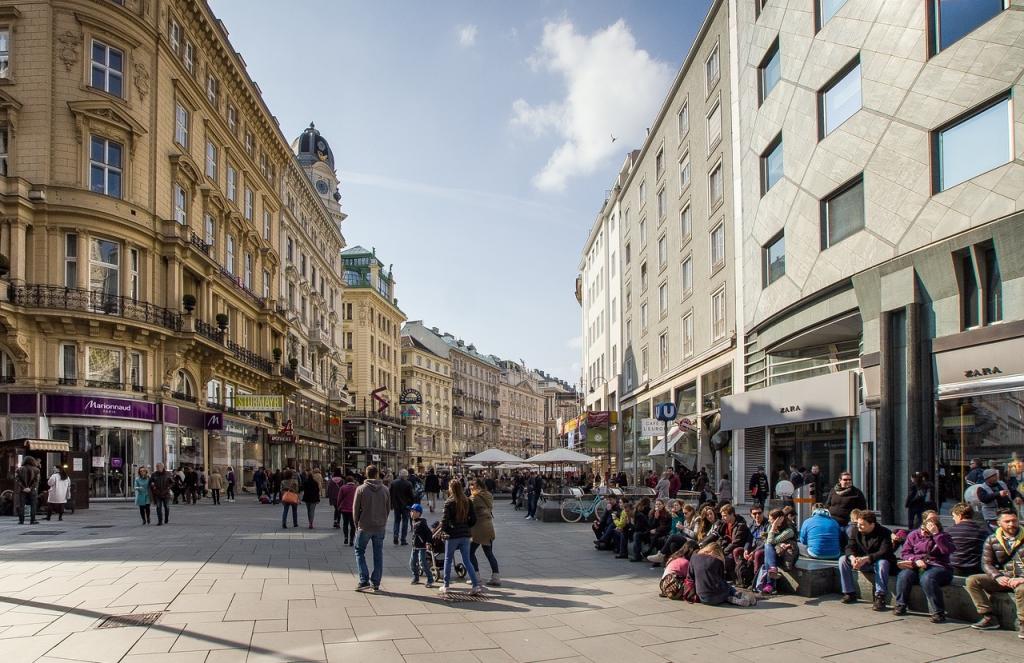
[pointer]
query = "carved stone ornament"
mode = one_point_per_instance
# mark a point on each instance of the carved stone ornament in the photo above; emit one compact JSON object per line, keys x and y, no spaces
{"x":68,"y":50}
{"x":141,"y":80}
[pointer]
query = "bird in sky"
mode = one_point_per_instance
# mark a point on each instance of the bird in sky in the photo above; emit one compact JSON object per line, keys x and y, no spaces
{"x":613,"y":137}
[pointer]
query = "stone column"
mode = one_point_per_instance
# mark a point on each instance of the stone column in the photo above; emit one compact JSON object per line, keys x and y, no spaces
{"x":884,"y":443}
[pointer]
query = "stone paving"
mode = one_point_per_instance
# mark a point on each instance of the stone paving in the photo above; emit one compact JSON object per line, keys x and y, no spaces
{"x":228,"y":585}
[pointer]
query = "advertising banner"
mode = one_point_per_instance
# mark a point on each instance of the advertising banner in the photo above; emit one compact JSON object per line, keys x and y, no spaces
{"x":97,"y":406}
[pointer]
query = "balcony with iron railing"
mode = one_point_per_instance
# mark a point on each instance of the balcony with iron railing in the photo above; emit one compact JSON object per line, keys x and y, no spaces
{"x":244,"y":355}
{"x":90,"y":301}
{"x":237,"y":282}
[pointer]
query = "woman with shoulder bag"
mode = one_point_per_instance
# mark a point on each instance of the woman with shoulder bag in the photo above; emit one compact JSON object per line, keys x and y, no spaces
{"x":457,"y":523}
{"x":483,"y":531}
{"x":60,"y":490}
{"x":289,"y":498}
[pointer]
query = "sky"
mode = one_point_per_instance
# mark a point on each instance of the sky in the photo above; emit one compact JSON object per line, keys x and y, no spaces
{"x":473,"y":140}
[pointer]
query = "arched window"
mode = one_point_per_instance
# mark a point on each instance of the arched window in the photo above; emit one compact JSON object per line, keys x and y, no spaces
{"x":184,"y":389}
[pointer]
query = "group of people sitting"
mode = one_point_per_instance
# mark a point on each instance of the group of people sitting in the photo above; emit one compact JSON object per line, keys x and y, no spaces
{"x":712,"y":545}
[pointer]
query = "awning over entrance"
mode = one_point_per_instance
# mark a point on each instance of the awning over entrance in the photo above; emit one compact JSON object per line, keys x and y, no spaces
{"x":831,"y":396}
{"x":46,"y":445}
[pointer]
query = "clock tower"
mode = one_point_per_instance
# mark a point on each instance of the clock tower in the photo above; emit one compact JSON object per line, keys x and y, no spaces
{"x":316,"y":158}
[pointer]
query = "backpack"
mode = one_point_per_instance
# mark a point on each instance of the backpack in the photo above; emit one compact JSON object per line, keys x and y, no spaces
{"x":678,"y":588}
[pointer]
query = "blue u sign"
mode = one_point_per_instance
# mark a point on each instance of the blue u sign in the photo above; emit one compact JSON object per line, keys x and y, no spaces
{"x":665,"y":411}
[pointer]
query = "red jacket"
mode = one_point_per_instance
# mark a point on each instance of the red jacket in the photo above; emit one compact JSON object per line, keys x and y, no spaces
{"x":673,"y":485}
{"x":347,"y":494}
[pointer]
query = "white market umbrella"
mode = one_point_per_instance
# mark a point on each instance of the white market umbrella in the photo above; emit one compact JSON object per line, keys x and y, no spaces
{"x":493,"y":457}
{"x":561,"y":457}
{"x":517,"y":466}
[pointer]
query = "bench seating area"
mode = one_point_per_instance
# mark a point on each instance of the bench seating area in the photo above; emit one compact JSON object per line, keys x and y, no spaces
{"x":813,"y":577}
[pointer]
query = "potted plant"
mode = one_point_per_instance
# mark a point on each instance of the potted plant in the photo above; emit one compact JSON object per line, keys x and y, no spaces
{"x":277,"y":354}
{"x":293,"y":362}
{"x":188,"y":302}
{"x":222,"y":321}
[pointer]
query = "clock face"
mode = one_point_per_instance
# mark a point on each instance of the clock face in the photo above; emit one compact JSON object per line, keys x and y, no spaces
{"x":321,"y":186}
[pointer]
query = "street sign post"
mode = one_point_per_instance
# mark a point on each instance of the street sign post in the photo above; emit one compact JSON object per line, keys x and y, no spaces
{"x":666,"y":413}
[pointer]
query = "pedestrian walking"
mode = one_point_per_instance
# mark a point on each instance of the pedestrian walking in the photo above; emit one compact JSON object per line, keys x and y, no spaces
{"x":482,"y":533}
{"x":419,"y":561}
{"x":311,"y":495}
{"x":334,"y":497}
{"x":402,"y":498}
{"x":231,"y":484}
{"x":758,"y":486}
{"x":216,"y":484}
{"x":725,"y":488}
{"x":191,"y":485}
{"x":160,"y":483}
{"x":60,"y":490}
{"x":432,"y":486}
{"x":345,"y":503}
{"x":534,"y":486}
{"x":370,"y":509}
{"x":289,"y":498}
{"x":260,"y":479}
{"x":143,"y":499}
{"x":26,"y":481}
{"x":457,"y":523}
{"x":275,"y":486}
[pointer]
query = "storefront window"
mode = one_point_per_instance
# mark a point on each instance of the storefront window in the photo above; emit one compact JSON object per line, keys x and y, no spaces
{"x":986,"y":428}
{"x":822,"y":443}
{"x":716,"y":385}
{"x":115,"y":455}
{"x":184,"y":447}
{"x":686,"y":399}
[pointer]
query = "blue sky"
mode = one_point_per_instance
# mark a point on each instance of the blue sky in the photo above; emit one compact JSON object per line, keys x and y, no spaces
{"x":473,"y":140}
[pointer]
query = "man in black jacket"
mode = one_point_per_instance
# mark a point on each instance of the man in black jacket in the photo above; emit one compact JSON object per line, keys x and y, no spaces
{"x":869,"y":549}
{"x":535,"y":486}
{"x":844,"y":498}
{"x":736,"y":534}
{"x":431,"y":486}
{"x":1002,"y":563}
{"x":402,"y":497}
{"x":26,"y":481}
{"x":759,"y":487}
{"x":160,"y":484}
{"x":968,"y":538}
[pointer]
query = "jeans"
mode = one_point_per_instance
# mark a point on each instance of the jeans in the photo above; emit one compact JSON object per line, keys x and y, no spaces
{"x":672,"y":544}
{"x":163,"y":512}
{"x":310,"y":510}
{"x":231,"y":491}
{"x":295,"y":515}
{"x":931,"y":580}
{"x":881,"y":571}
{"x":377,"y":539}
{"x":216,"y":495}
{"x":462,"y":545}
{"x":431,"y":501}
{"x":419,"y":563}
{"x":401,"y":518}
{"x":30,"y":500}
{"x":639,"y":538}
{"x":488,"y":553}
{"x":144,"y":512}
{"x":348,"y":526}
{"x":531,"y":505}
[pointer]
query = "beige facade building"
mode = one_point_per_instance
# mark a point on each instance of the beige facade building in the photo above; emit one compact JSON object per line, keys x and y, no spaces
{"x":561,"y":403}
{"x":141,"y":199}
{"x":428,"y":436}
{"x":374,"y":431}
{"x":521,"y":410}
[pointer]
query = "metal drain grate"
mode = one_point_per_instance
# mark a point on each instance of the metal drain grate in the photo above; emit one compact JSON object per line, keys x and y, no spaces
{"x":43,"y":532}
{"x":139,"y":619}
{"x":465,"y":596}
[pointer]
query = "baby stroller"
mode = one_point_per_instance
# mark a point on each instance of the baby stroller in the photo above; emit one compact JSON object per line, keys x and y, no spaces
{"x":436,"y":550}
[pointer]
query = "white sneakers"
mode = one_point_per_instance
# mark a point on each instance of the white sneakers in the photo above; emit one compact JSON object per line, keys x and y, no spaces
{"x":476,"y":591}
{"x":656,"y":559}
{"x":495,"y":580}
{"x":443,"y":591}
{"x":743,"y":600}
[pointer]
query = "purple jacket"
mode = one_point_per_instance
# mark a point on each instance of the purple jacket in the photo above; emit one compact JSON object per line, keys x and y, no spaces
{"x":935,"y":550}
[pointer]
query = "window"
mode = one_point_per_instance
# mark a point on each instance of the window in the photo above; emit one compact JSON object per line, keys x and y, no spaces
{"x":714,"y":126}
{"x":5,"y":53}
{"x":685,"y":223}
{"x":771,"y":164}
{"x":68,"y":367}
{"x":250,"y":143}
{"x":71,"y":260}
{"x":289,"y":249}
{"x":175,"y":37}
{"x":951,"y":20}
{"x":716,"y":185}
{"x":718,"y":315}
{"x":826,"y":9}
{"x":211,"y":160}
{"x":180,"y":205}
{"x":212,"y":90}
{"x":247,"y":278}
{"x":135,"y":370}
{"x":759,"y":6}
{"x":134,"y":284}
{"x":643,"y":362}
{"x":687,"y":333}
{"x":642,"y":194}
{"x":643,"y":276}
{"x":189,"y":57}
{"x":663,"y":299}
{"x":181,"y":124}
{"x":662,"y":204}
{"x":643,"y":232}
{"x":266,"y":225}
{"x":643,"y":317}
{"x":230,"y":257}
{"x":105,"y":166}
{"x":663,"y":351}
{"x":249,"y":204}
{"x":842,"y":213}
{"x":684,"y":172}
{"x":769,"y":73}
{"x":993,"y":287}
{"x":973,"y":145}
{"x":107,"y":68}
{"x":839,"y":99}
{"x":103,"y":367}
{"x":659,"y":164}
{"x":210,"y":229}
{"x":683,"y":120}
{"x":105,"y":268}
{"x":969,"y":293}
{"x":233,"y":119}
{"x":662,"y":252}
{"x":718,"y":246}
{"x":266,"y":284}
{"x":712,"y":71}
{"x":774,"y":259}
{"x":686,"y":276}
{"x":4,"y":151}
{"x":232,"y":183}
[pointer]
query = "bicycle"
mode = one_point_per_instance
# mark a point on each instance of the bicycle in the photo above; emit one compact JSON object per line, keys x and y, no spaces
{"x":575,"y":509}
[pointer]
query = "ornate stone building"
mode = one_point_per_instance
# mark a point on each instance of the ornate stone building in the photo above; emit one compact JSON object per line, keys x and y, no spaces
{"x":521,"y":411}
{"x":429,"y":435}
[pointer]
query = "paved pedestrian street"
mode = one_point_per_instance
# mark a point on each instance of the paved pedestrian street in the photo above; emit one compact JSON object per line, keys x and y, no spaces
{"x":227,"y":585}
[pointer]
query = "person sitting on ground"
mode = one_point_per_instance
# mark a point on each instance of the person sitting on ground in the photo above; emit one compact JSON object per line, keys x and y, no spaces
{"x":660,"y":524}
{"x":601,"y":525}
{"x":607,"y":539}
{"x":968,"y":540}
{"x":679,"y":561}
{"x":736,"y":535}
{"x":623,"y":530}
{"x":844,"y":498}
{"x":751,"y":556}
{"x":924,"y":560}
{"x":641,"y":531}
{"x":709,"y":527}
{"x":682,"y":527}
{"x":1002,"y":564}
{"x":820,"y":534}
{"x":870,"y":549}
{"x":707,"y":570}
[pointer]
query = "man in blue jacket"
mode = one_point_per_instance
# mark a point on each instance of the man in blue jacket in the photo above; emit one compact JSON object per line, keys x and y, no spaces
{"x":819,"y":535}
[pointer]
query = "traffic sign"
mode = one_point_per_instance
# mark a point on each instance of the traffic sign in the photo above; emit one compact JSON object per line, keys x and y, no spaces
{"x":665,"y":411}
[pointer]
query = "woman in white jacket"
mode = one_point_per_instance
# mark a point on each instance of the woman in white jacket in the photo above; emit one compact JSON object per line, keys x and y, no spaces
{"x":60,"y":491}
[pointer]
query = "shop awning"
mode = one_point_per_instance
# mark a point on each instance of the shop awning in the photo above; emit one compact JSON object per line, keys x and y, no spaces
{"x":48,"y":445}
{"x":674,"y":435}
{"x":830,"y":396}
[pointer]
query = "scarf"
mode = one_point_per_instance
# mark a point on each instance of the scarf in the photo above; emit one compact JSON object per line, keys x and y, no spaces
{"x":1012,"y":548}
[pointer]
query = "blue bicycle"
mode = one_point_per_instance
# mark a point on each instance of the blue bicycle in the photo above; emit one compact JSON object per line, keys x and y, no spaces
{"x":576,"y":508}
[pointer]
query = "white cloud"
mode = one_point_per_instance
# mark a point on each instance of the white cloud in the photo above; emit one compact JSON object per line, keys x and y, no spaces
{"x":467,"y":35}
{"x":575,"y":343}
{"x":612,"y":88}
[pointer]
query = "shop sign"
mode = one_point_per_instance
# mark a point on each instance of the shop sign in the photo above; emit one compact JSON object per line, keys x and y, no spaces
{"x":99,"y":461}
{"x":213,"y":421}
{"x":820,"y":398}
{"x":410,"y":412}
{"x":281,"y":438}
{"x":410,"y":397}
{"x":651,"y":428}
{"x":598,"y":439}
{"x":116,"y":463}
{"x":259,"y":402}
{"x":1001,"y":362}
{"x":375,"y":458}
{"x":96,"y":406}
{"x":76,"y":465}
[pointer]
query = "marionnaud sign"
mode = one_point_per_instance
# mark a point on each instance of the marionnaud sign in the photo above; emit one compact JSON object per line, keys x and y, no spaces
{"x":97,"y":406}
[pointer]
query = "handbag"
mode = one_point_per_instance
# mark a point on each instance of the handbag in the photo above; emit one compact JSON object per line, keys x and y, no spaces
{"x":289,"y":497}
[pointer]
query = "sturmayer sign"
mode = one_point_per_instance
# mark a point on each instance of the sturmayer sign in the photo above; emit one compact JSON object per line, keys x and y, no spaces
{"x":259,"y":402}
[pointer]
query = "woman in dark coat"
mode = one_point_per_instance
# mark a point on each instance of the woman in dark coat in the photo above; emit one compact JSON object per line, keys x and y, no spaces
{"x":311,"y":495}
